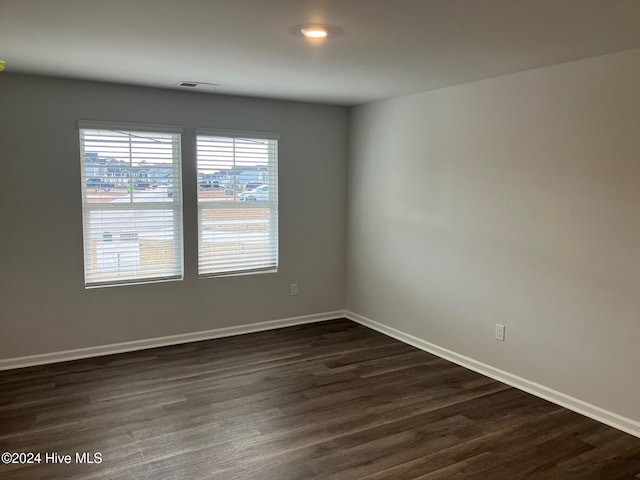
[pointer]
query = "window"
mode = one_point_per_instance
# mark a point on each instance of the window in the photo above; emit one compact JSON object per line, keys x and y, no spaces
{"x":132,"y":203}
{"x":237,"y":202}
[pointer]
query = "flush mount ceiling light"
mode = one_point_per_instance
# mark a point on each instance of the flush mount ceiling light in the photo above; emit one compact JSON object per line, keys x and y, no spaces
{"x":315,"y":32}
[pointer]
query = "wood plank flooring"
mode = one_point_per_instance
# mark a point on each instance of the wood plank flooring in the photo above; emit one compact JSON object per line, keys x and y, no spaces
{"x":331,"y":400}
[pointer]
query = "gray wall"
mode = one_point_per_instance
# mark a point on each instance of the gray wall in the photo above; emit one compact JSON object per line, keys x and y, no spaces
{"x":513,"y":200}
{"x":43,"y":304}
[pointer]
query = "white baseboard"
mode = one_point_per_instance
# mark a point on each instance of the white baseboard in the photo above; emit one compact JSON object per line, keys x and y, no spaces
{"x":596,"y":413}
{"x":76,"y":354}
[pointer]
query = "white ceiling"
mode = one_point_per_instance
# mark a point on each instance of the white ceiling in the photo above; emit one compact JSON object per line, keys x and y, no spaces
{"x":384,"y":47}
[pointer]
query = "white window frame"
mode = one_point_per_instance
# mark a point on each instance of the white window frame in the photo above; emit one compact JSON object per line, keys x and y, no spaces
{"x":273,"y":199}
{"x":176,"y":204}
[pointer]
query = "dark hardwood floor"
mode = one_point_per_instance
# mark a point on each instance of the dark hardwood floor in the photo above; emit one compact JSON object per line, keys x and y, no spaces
{"x":332,"y":400}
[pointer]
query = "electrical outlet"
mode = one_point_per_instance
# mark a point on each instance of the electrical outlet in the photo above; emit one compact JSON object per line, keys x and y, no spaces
{"x":294,"y":289}
{"x":500,"y":332}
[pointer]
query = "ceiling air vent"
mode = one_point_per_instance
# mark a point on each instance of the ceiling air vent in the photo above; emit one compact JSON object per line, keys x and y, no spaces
{"x":199,"y":85}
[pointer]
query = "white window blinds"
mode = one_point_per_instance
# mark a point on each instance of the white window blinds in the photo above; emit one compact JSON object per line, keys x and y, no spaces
{"x":237,"y":202}
{"x":132,"y":203}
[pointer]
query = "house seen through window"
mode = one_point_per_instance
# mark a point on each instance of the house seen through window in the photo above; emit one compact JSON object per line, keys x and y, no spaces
{"x":237,"y":202}
{"x":132,"y":211}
